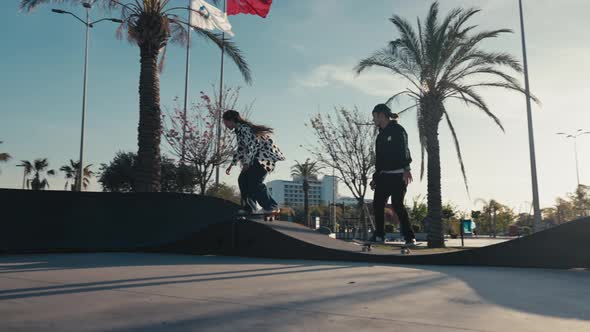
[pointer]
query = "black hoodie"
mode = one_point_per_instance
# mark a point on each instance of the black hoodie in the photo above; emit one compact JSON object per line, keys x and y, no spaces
{"x":391,"y":148}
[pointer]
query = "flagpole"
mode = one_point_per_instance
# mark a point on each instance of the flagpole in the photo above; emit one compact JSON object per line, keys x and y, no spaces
{"x":220,"y":100}
{"x":537,"y":209}
{"x":186,"y":78}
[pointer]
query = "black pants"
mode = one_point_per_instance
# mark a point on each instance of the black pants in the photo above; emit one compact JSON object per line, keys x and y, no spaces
{"x":253,"y":189}
{"x":393,"y":185}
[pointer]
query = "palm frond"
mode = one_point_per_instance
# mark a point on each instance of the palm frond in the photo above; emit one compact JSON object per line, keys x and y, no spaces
{"x":458,"y":149}
{"x":397,"y":95}
{"x":308,"y":169}
{"x":459,"y":54}
{"x":470,"y":97}
{"x":408,"y":38}
{"x":27,"y":165}
{"x":178,"y":33}
{"x":435,"y":47}
{"x":387,"y":59}
{"x":484,"y":63}
{"x":40,"y":164}
{"x":230,"y":49}
{"x":162,"y":60}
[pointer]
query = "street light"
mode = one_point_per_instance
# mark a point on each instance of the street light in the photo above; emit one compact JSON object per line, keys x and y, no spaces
{"x":535,"y":185}
{"x":574,"y":136}
{"x":88,"y":25}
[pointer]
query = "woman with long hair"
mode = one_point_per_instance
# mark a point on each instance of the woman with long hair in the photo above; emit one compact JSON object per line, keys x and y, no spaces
{"x":257,"y":154}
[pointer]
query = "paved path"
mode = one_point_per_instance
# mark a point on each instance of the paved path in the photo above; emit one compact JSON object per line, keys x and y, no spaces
{"x":153,"y":292}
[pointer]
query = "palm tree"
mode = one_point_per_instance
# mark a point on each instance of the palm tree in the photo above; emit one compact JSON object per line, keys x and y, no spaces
{"x":4,"y":157}
{"x":151,"y":25}
{"x":442,"y":62}
{"x":71,"y":171}
{"x":39,"y":167}
{"x":490,"y":208}
{"x":306,"y":171}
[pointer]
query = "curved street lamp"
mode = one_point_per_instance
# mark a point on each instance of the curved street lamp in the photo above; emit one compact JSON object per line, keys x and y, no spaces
{"x":574,"y":136}
{"x":88,"y":25}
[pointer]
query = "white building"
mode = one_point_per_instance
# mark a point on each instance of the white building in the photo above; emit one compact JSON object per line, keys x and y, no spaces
{"x":290,"y":193}
{"x":351,"y":200}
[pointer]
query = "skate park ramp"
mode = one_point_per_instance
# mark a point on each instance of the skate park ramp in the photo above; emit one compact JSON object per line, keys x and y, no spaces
{"x":64,"y":221}
{"x":60,"y":221}
{"x":563,"y":247}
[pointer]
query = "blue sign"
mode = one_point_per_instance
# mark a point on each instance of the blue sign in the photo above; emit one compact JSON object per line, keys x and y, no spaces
{"x":468,"y":225}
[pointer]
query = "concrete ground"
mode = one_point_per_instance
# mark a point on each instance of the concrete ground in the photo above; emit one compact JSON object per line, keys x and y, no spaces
{"x":153,"y":292}
{"x":475,"y":242}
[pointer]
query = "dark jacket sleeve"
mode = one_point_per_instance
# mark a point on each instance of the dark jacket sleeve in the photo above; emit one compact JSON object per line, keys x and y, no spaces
{"x":405,"y":156}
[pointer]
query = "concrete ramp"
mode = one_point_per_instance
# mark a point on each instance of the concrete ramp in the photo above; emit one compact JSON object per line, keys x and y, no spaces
{"x":64,"y":221}
{"x":60,"y":221}
{"x":566,"y":246}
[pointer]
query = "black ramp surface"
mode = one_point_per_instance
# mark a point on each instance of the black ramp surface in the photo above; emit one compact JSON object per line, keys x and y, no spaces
{"x":46,"y":221}
{"x":564,"y":246}
{"x":94,"y":221}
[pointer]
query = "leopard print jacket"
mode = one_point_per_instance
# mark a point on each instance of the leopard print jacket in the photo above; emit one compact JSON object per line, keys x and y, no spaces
{"x":252,"y":147}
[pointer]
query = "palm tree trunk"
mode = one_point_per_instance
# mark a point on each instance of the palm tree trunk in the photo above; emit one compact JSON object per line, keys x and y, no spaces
{"x":148,"y":169}
{"x":434,"y":216}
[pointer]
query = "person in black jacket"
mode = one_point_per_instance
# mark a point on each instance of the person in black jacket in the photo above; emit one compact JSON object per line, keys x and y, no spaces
{"x":392,"y":172}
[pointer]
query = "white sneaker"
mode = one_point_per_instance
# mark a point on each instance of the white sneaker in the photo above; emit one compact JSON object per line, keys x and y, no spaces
{"x":411,"y":243}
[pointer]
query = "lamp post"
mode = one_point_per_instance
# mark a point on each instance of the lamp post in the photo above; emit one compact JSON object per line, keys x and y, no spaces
{"x":535,"y":185}
{"x":574,"y":136}
{"x":88,"y":25}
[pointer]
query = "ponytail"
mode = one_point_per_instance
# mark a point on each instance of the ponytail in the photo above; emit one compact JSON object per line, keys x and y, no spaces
{"x":259,"y":130}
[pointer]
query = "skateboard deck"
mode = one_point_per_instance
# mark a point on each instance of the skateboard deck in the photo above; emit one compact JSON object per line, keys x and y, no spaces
{"x":367,"y":246}
{"x":259,"y":215}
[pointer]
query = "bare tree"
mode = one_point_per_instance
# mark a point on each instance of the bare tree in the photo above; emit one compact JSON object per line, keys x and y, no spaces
{"x":347,"y":144}
{"x":200,"y":141}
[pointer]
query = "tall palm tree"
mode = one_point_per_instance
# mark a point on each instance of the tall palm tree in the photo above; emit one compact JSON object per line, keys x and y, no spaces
{"x":151,"y":24}
{"x":39,"y":168}
{"x":71,"y":172}
{"x":4,"y":157}
{"x":307,"y":171}
{"x":442,"y":61}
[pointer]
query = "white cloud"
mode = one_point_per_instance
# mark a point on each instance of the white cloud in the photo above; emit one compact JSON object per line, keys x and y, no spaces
{"x":372,"y":82}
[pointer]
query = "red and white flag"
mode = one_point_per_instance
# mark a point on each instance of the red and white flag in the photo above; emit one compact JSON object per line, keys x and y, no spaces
{"x":254,"y":7}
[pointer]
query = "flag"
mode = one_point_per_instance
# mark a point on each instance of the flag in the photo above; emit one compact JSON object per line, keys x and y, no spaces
{"x":254,"y":7}
{"x":209,"y":17}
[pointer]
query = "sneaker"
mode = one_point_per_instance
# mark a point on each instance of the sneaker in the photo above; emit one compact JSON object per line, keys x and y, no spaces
{"x":411,"y":243}
{"x":271,"y":211}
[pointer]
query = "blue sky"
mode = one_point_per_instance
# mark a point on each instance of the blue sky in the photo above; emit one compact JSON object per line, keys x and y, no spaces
{"x":301,"y":57}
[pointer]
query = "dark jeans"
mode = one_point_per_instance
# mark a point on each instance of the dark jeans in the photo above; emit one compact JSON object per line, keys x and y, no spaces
{"x":253,"y":189}
{"x":393,"y":185}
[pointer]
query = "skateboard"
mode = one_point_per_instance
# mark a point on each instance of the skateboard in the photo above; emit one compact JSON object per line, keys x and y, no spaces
{"x":367,"y":246}
{"x":259,"y":215}
{"x":405,"y":249}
